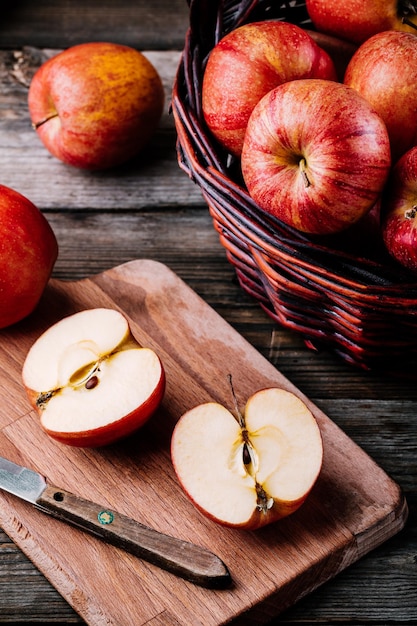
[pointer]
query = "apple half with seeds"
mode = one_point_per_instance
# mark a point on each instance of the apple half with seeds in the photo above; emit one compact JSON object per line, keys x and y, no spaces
{"x":90,"y":381}
{"x":248,"y":470}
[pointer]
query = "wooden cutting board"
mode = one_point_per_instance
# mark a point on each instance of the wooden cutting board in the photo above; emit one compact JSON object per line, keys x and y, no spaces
{"x":353,"y":507}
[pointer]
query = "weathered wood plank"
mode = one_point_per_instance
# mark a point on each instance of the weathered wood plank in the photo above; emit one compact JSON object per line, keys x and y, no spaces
{"x":52,"y":24}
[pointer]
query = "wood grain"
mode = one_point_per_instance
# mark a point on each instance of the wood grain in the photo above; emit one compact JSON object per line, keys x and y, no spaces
{"x":52,"y":24}
{"x":353,"y":508}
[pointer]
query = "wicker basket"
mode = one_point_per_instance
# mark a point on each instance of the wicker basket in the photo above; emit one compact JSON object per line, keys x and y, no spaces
{"x":363,"y":309}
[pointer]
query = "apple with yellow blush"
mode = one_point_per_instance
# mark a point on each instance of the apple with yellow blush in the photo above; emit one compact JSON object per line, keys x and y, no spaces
{"x":96,"y":105}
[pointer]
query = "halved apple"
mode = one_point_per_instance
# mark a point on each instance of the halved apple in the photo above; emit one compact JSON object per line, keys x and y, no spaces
{"x":90,"y":380}
{"x":248,"y":470}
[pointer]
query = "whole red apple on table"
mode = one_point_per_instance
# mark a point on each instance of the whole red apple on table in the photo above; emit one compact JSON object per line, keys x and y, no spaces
{"x":248,"y":470}
{"x":90,"y":381}
{"x":399,"y":211}
{"x":358,"y":20}
{"x":246,"y":64}
{"x":96,"y":105}
{"x":316,"y":155}
{"x":28,"y":251}
{"x":384,"y":71}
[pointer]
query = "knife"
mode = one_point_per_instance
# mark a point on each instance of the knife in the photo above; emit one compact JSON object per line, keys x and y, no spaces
{"x":184,"y":559}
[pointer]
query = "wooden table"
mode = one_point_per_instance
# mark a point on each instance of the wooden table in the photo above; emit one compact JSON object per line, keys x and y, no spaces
{"x":149,"y":209}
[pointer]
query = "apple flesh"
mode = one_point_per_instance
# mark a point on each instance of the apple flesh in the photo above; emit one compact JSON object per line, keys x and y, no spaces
{"x":399,"y":211}
{"x":28,"y":251}
{"x":90,"y":381}
{"x":96,"y":105}
{"x":246,"y":471}
{"x":246,"y":64}
{"x":357,"y":21}
{"x":384,"y":71}
{"x":316,"y":155}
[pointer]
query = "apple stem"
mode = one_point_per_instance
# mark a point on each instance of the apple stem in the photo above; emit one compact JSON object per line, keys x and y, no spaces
{"x":303,"y":165}
{"x":404,"y":20}
{"x":36,"y":125}
{"x":410,"y":214}
{"x":240,"y":417}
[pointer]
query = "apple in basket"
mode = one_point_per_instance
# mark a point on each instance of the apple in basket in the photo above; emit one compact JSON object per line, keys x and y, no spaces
{"x":246,"y":64}
{"x":248,"y":470}
{"x":399,"y":211}
{"x":96,"y":105}
{"x":28,"y":252}
{"x":356,"y":20}
{"x":384,"y":71}
{"x":316,"y":155}
{"x":89,"y":379}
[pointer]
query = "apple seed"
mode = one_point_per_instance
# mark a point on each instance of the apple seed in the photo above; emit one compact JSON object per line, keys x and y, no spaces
{"x":247,"y":459}
{"x":91,"y":382}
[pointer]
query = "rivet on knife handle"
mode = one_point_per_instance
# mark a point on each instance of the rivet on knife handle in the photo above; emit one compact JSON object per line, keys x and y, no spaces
{"x":184,"y":559}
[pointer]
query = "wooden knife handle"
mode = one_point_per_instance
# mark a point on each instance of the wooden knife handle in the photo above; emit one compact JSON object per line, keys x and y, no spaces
{"x":184,"y":559}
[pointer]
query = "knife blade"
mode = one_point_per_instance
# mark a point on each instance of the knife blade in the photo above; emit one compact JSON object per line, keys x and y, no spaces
{"x":182,"y":558}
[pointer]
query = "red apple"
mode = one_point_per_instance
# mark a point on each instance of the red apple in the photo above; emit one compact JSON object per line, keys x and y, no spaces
{"x":96,"y":105}
{"x":399,"y":211}
{"x":246,"y":64}
{"x":248,"y":470}
{"x":384,"y":71}
{"x":363,"y":239}
{"x":90,"y":381}
{"x":316,"y":155}
{"x":357,"y":21}
{"x":28,"y":251}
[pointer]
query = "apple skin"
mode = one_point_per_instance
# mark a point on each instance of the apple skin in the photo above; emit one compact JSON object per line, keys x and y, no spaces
{"x":363,"y":239}
{"x":96,"y":105}
{"x":28,"y":252}
{"x":399,"y":211}
{"x":316,"y":155}
{"x":356,"y":20}
{"x":384,"y":71}
{"x":120,"y":429}
{"x":246,"y":64}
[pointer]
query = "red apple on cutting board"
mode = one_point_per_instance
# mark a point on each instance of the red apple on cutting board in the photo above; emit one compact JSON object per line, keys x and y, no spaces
{"x":28,"y":251}
{"x":96,"y":105}
{"x":90,"y":381}
{"x":316,"y":155}
{"x":246,"y":64}
{"x":384,"y":71}
{"x":356,"y":20}
{"x":248,"y":470}
{"x":399,"y":211}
